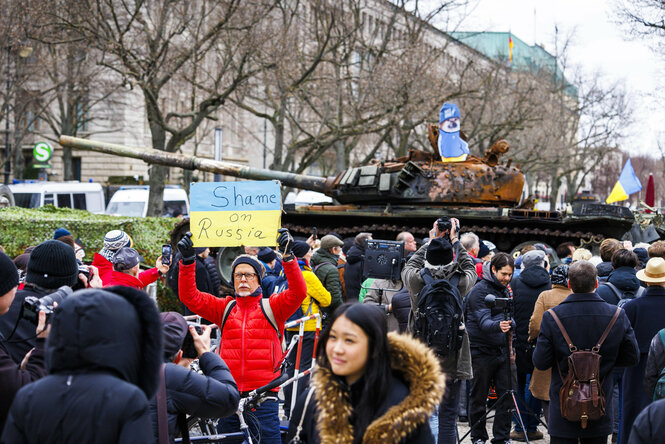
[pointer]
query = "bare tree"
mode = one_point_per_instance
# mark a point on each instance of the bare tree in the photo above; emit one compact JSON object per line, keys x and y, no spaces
{"x":172,"y":49}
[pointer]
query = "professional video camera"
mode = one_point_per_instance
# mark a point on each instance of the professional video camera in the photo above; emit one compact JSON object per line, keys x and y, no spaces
{"x":32,"y":305}
{"x":506,"y":304}
{"x":383,"y":259}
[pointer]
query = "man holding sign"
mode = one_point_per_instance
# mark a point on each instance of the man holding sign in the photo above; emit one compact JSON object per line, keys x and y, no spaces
{"x":251,"y":329}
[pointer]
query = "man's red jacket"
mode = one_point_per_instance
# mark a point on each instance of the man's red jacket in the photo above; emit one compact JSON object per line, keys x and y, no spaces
{"x":250,"y":345}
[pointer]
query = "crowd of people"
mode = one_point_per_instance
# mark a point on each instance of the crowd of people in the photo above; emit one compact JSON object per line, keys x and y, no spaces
{"x":86,"y":356}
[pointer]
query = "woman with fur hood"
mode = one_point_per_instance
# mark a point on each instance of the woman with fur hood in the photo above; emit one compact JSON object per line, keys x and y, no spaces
{"x":369,"y":386}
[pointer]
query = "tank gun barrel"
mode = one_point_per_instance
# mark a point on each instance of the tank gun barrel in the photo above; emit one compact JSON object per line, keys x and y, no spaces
{"x":189,"y":162}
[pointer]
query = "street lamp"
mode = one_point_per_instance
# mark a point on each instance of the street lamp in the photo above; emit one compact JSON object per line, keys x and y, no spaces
{"x":23,"y":52}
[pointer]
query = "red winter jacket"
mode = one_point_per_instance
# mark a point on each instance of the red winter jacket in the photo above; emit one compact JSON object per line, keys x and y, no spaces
{"x":250,"y":346}
{"x":145,"y":278}
{"x":105,"y":268}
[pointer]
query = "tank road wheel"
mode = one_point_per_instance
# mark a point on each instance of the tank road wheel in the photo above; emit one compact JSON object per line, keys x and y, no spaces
{"x":6,"y":197}
{"x":225,"y":258}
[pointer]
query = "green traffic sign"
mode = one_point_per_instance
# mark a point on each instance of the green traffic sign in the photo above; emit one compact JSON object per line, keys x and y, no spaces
{"x":42,"y":152}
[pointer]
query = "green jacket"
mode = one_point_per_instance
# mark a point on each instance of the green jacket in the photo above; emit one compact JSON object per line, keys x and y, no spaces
{"x":324,"y":265}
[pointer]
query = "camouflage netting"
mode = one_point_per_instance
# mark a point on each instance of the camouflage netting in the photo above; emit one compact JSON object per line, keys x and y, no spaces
{"x":21,"y":228}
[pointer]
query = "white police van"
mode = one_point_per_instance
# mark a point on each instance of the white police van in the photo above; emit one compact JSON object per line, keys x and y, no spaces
{"x":71,"y":194}
{"x":132,"y":201}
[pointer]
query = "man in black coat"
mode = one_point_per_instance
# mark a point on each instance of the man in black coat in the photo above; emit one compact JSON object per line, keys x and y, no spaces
{"x":353,"y":270}
{"x":649,"y":427}
{"x":13,"y":376}
{"x":585,"y":316}
{"x":213,"y":394}
{"x":488,"y":331}
{"x":533,"y":280}
{"x":647,"y":316}
{"x":104,"y":354}
{"x":622,"y":277}
{"x":51,"y":265}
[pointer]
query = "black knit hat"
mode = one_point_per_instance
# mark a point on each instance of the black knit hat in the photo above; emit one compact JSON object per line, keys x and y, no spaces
{"x":300,"y":248}
{"x":266,"y":255}
{"x":52,"y":264}
{"x":439,"y":252}
{"x":8,"y":274}
{"x":483,"y":249}
{"x":251,"y":261}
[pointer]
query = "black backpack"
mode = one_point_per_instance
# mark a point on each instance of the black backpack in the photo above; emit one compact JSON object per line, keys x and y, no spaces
{"x":623,"y":296}
{"x":438,"y":318}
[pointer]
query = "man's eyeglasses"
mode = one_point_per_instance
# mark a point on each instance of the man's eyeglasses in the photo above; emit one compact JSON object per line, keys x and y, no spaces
{"x":247,"y":276}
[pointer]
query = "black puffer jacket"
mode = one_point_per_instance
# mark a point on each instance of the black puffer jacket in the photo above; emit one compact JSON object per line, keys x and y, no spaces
{"x":25,"y":329}
{"x":482,"y":323}
{"x":649,"y":427}
{"x":211,"y":265}
{"x":402,"y":308}
{"x":12,"y":378}
{"x":214,"y":394}
{"x":103,"y":355}
{"x":353,"y":272}
{"x":655,"y":364}
{"x":526,"y":288}
{"x":622,"y":278}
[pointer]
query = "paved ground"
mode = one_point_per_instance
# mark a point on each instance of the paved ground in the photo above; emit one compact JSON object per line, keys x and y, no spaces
{"x":463,"y":428}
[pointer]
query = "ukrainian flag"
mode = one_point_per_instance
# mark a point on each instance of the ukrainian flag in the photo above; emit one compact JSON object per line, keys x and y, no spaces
{"x":628,"y":184}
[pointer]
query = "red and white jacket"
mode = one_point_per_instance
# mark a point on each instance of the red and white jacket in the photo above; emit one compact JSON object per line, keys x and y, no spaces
{"x":250,"y":345}
{"x":145,"y":278}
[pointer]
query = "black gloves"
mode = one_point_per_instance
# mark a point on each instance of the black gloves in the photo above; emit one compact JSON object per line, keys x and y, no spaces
{"x":285,"y":242}
{"x":186,"y":248}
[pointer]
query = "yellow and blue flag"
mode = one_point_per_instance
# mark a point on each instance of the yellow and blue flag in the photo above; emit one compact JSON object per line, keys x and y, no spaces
{"x":628,"y":184}
{"x":231,"y":214}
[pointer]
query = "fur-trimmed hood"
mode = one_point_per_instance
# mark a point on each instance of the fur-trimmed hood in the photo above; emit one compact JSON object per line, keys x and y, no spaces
{"x":419,"y":368}
{"x":117,"y":330}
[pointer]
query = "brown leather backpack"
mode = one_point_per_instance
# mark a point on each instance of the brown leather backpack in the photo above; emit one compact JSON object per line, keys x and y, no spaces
{"x":581,"y":396}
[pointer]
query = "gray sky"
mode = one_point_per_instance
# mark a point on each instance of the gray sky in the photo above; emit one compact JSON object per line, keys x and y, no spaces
{"x":598,"y":44}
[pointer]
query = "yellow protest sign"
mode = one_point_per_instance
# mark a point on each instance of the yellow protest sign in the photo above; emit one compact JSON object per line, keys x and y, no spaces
{"x":232,"y":214}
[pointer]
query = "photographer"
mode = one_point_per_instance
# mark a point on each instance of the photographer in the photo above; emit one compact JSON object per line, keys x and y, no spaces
{"x":214,"y":394}
{"x":487,"y":329}
{"x":52,"y":264}
{"x":445,"y":261}
{"x":13,"y":376}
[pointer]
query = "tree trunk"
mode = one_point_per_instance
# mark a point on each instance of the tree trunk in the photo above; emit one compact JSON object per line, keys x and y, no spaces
{"x":157,"y":172}
{"x":67,"y":163}
{"x":278,"y":155}
{"x":340,"y":157}
{"x":555,"y":184}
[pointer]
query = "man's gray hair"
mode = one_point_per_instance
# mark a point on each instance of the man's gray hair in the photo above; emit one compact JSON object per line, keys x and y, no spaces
{"x":470,"y":241}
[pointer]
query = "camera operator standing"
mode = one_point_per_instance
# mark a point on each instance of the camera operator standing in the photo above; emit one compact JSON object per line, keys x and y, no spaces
{"x":51,"y":265}
{"x":487,"y":329}
{"x":444,"y":257}
{"x":13,"y":376}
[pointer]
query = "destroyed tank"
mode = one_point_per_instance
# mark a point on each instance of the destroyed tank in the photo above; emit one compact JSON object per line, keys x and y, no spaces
{"x":410,"y":193}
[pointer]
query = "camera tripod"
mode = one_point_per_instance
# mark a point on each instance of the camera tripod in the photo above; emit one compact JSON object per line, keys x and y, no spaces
{"x":510,"y":393}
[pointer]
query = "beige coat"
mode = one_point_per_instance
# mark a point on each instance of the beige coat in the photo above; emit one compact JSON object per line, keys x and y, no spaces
{"x":540,"y":379}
